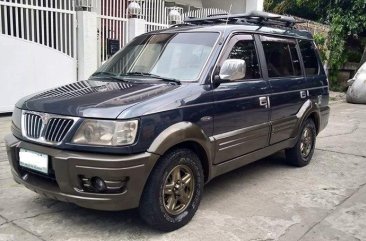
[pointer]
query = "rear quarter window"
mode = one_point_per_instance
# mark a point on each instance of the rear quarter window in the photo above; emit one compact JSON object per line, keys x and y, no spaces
{"x":310,"y":57}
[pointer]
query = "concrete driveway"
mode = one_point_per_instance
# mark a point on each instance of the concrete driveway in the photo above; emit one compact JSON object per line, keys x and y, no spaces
{"x":266,"y":200}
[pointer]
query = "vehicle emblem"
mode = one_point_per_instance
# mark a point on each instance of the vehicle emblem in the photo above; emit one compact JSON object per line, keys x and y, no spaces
{"x":45,"y":117}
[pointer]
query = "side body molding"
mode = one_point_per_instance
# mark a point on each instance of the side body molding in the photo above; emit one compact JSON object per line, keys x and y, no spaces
{"x":179,"y":133}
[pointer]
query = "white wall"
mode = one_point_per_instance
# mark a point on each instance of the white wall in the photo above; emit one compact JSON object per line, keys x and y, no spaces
{"x":238,"y":6}
{"x":254,"y":5}
{"x":27,"y":67}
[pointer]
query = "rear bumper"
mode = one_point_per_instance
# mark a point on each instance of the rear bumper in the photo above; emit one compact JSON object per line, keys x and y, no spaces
{"x":324,"y":118}
{"x":125,"y":176}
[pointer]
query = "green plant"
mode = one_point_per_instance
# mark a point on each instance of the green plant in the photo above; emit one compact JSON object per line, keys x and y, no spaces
{"x":347,"y":18}
{"x":353,"y":56}
{"x":322,"y":41}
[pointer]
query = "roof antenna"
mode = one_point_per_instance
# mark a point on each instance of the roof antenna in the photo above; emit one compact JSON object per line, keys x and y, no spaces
{"x":227,"y":20}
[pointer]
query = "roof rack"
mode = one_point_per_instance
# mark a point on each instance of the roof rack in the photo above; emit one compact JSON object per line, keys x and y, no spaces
{"x":253,"y":17}
{"x":217,"y":14}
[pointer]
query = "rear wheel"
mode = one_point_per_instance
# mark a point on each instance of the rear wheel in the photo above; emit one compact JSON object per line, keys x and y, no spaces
{"x":173,"y":191}
{"x":301,"y":154}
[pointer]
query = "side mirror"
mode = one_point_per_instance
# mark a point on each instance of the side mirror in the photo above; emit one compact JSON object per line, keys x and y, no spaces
{"x":233,"y":69}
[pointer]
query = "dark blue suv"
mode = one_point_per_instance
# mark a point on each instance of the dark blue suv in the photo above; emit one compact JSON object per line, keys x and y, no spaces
{"x":169,"y":112}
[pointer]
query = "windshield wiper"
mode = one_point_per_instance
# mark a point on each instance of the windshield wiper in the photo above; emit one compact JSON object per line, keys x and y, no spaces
{"x":153,"y":76}
{"x":101,"y":73}
{"x":107,"y":75}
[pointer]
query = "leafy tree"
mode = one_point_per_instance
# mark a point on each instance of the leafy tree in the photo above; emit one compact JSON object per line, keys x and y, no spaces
{"x":321,"y":42}
{"x":346,"y":19}
{"x":292,"y":7}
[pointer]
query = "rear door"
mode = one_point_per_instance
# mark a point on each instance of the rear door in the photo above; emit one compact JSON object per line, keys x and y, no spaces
{"x":288,"y":84}
{"x":241,"y":123}
{"x":315,"y":75}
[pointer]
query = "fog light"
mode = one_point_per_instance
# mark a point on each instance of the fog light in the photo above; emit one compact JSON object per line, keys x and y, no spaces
{"x":98,"y":184}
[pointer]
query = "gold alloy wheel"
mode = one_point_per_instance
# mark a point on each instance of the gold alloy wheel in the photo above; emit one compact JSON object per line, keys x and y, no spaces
{"x":306,"y":143}
{"x":178,"y":189}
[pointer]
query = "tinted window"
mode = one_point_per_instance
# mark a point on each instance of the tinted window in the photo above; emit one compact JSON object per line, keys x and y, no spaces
{"x":309,"y":57}
{"x":295,"y":60}
{"x":282,"y":59}
{"x":245,"y":50}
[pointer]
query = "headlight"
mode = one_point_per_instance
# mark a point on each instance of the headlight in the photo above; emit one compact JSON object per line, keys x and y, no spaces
{"x":106,"y":133}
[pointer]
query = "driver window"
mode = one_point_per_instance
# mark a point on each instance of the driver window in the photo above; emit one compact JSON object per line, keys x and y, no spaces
{"x":245,"y":50}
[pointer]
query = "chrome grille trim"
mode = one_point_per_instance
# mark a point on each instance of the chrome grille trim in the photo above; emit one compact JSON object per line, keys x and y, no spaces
{"x":46,"y":128}
{"x":57,"y":128}
{"x":34,"y":125}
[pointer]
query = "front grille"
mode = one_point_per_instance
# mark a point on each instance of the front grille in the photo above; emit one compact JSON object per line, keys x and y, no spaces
{"x":57,"y":128}
{"x":33,"y":125}
{"x":46,"y":128}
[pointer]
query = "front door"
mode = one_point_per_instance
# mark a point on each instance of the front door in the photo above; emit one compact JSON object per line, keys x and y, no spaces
{"x":241,"y":120}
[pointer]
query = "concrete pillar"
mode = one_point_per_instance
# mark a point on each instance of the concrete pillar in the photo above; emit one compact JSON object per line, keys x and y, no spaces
{"x":254,"y":5}
{"x":87,"y":44}
{"x":135,"y":27}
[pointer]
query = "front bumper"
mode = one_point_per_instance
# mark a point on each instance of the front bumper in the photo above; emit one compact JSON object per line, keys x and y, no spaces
{"x":125,"y":175}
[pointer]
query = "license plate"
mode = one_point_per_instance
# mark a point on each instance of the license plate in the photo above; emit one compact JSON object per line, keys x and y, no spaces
{"x":33,"y":160}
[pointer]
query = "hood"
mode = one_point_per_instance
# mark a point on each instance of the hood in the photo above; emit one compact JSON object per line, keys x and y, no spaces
{"x":94,"y":99}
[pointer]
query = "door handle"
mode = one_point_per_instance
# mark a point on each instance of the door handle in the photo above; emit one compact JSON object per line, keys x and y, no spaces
{"x":264,"y":101}
{"x":303,"y":94}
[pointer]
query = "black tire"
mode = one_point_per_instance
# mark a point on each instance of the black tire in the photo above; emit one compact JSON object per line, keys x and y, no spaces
{"x":153,"y":208}
{"x":296,"y":155}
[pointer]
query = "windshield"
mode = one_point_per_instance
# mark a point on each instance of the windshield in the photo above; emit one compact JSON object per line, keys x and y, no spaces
{"x":179,"y":56}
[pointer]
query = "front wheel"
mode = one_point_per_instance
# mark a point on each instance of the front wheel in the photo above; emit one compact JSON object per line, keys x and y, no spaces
{"x":173,"y":191}
{"x":301,"y":154}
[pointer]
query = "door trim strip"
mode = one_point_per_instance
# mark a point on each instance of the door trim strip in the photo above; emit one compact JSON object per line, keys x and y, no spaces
{"x":240,"y":131}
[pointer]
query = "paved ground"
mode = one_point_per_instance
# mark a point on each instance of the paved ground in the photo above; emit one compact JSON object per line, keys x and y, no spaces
{"x":266,"y":200}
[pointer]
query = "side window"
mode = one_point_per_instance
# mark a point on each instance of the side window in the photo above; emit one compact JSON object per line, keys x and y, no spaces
{"x":309,"y":57}
{"x":295,"y":60}
{"x":245,"y":50}
{"x":282,"y":59}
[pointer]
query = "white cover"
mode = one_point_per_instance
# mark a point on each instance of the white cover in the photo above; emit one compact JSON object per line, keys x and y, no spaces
{"x":356,"y":93}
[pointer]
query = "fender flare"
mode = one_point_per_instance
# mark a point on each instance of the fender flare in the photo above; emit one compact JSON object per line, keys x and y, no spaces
{"x":307,"y":109}
{"x":183,"y":132}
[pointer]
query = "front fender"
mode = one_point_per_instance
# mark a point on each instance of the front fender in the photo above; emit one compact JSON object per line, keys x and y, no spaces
{"x":178,"y":133}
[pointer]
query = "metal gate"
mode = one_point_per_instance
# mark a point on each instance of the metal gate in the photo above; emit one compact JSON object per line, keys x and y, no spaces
{"x":113,"y":16}
{"x":48,"y":22}
{"x":38,"y":47}
{"x":204,"y":12}
{"x":156,"y":14}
